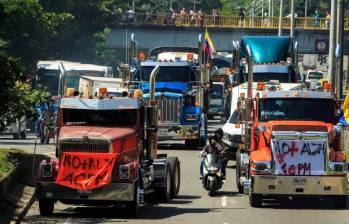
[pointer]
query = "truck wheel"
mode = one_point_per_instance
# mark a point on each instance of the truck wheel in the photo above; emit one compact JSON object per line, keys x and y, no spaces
{"x":46,"y":207}
{"x":340,"y":201}
{"x":238,"y":174}
{"x":255,"y":200}
{"x":175,"y":175}
{"x":165,"y":192}
{"x":133,"y":207}
{"x":238,"y":184}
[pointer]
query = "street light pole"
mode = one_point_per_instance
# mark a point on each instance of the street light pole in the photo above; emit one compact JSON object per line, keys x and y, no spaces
{"x":292,"y":19}
{"x":269,"y":8}
{"x":339,"y":42}
{"x":306,"y":8}
{"x":332,"y":44}
{"x":281,"y":16}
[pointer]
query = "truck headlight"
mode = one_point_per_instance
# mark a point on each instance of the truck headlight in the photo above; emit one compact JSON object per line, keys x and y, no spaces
{"x":264,"y":167}
{"x":337,"y":167}
{"x":124,"y":172}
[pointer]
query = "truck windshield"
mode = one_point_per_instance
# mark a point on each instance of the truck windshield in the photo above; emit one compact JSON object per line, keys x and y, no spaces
{"x":296,"y":109}
{"x":315,"y":75}
{"x":76,"y":117}
{"x":266,"y":77}
{"x":49,"y":79}
{"x":216,"y":91}
{"x":167,"y":74}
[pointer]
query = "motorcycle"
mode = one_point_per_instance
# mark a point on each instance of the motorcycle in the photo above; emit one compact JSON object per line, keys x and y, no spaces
{"x":213,"y":177}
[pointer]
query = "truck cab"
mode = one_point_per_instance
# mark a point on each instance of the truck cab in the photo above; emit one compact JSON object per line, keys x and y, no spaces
{"x":178,"y":92}
{"x":106,"y":154}
{"x":273,"y":67}
{"x":292,"y":148}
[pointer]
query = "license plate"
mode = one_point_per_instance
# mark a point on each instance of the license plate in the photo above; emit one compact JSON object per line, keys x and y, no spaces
{"x":299,"y":181}
{"x":85,"y":192}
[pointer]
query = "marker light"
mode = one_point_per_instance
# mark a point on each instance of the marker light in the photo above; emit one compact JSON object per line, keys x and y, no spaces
{"x":261,"y":86}
{"x":327,"y":86}
{"x":190,"y":57}
{"x":242,"y":95}
{"x":70,"y":91}
{"x":141,"y":56}
{"x":102,"y":91}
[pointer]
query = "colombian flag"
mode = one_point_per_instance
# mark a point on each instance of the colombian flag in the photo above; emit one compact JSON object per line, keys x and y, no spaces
{"x":345,"y":119}
{"x":208,"y":46}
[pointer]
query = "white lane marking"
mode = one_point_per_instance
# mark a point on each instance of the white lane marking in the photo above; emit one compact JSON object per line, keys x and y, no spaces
{"x":68,"y":221}
{"x":49,"y":153}
{"x":224,"y":201}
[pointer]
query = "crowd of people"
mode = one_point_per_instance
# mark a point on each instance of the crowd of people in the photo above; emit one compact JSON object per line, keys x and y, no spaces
{"x":192,"y":17}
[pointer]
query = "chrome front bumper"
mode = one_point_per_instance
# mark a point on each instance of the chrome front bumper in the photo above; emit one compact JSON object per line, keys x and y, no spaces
{"x":299,"y":185}
{"x":112,"y":192}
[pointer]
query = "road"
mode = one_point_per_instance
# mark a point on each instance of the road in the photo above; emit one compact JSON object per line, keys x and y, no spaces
{"x":193,"y":205}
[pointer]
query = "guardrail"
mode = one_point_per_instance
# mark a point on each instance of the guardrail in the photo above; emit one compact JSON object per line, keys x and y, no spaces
{"x":305,"y":23}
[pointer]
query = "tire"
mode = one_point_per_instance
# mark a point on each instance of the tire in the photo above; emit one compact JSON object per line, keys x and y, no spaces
{"x":238,"y":174}
{"x":23,"y":134}
{"x":46,"y":207}
{"x":340,"y":202}
{"x":212,"y":187}
{"x":175,"y":175}
{"x":165,"y":192}
{"x":255,"y":200}
{"x":133,"y":207}
{"x":47,"y":136}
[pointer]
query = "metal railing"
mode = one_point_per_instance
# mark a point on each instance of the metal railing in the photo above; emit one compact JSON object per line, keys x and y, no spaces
{"x":306,"y":23}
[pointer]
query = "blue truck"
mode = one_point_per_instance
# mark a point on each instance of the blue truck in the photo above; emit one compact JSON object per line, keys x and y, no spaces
{"x":179,"y":93}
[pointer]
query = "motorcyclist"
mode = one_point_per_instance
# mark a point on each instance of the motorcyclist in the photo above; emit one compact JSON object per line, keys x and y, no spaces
{"x":219,"y":136}
{"x":212,"y":148}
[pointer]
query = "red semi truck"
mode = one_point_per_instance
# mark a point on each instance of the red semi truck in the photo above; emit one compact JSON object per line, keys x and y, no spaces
{"x":107,"y":154}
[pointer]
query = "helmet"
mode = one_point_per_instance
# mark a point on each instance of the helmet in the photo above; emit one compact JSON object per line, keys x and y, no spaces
{"x":219,"y":131}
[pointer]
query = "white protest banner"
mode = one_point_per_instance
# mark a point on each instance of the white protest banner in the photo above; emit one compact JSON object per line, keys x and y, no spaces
{"x":299,"y":157}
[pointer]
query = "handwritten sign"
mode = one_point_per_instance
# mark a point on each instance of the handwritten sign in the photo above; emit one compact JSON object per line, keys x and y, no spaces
{"x":299,"y":157}
{"x":85,"y":171}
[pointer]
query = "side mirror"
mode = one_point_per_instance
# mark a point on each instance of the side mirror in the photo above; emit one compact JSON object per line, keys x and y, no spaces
{"x":338,"y":128}
{"x":261,"y":128}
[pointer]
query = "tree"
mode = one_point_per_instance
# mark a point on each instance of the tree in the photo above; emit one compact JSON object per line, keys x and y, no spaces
{"x":16,"y":97}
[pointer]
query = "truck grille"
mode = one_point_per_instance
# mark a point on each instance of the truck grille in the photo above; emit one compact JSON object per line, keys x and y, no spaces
{"x":235,"y":138}
{"x":169,"y":109}
{"x":85,"y":147}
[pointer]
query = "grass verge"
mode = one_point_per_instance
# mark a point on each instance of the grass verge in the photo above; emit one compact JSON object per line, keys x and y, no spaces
{"x":8,"y":161}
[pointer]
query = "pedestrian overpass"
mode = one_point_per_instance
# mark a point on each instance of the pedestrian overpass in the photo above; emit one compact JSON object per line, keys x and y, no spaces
{"x":312,"y":34}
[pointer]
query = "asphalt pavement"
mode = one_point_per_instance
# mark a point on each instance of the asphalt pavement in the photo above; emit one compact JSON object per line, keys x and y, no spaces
{"x":193,"y":205}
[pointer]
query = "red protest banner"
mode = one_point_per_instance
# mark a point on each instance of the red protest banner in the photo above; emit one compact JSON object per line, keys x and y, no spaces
{"x":85,"y":171}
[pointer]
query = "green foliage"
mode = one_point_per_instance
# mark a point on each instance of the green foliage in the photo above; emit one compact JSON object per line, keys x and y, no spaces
{"x":17,"y":99}
{"x":8,"y":160}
